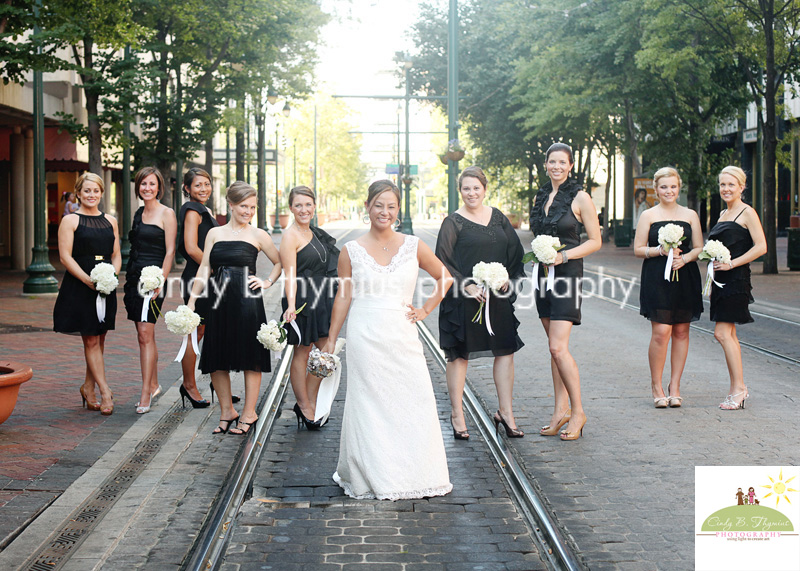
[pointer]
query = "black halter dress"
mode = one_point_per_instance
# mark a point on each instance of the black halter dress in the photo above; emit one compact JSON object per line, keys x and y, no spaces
{"x":207,"y":222}
{"x":74,"y":312}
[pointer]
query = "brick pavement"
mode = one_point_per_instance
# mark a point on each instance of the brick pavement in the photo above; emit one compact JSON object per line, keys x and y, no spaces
{"x":299,"y":519}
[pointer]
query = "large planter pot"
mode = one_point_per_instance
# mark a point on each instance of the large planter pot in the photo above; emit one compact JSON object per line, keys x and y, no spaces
{"x":283,"y":220}
{"x":12,"y":375}
{"x":455,"y":155}
{"x":322,"y":218}
{"x":515,"y":219}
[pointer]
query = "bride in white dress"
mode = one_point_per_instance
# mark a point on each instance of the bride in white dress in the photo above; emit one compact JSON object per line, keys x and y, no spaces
{"x":391,"y":445}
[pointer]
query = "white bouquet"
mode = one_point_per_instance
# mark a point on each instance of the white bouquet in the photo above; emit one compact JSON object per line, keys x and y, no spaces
{"x":182,"y":321}
{"x":321,"y":364}
{"x":714,"y":251}
{"x":670,"y":237}
{"x":544,"y":250}
{"x":104,"y":278}
{"x":272,"y":336}
{"x":491,"y":276}
{"x":151,"y":279}
{"x":105,"y":281}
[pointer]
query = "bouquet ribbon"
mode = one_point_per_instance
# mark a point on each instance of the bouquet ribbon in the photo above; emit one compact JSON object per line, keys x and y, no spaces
{"x":668,"y":266}
{"x":710,"y":278}
{"x":551,"y":277}
{"x":299,"y":337}
{"x":100,"y":305}
{"x":185,"y":342}
{"x":145,"y":305}
{"x":486,"y":311}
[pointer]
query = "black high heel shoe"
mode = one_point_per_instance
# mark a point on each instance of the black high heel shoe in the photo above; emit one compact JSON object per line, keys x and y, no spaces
{"x":301,"y":420}
{"x":202,"y":403}
{"x":459,"y":434}
{"x":234,"y":398}
{"x":510,"y":432}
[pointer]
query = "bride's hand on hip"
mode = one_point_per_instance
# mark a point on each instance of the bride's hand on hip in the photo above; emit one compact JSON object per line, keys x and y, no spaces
{"x":416,"y":314}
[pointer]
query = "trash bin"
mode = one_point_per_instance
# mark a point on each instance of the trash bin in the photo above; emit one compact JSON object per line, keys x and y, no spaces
{"x":793,"y":249}
{"x":622,"y":232}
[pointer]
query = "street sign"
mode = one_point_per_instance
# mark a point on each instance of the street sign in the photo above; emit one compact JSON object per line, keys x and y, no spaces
{"x":392,"y":168}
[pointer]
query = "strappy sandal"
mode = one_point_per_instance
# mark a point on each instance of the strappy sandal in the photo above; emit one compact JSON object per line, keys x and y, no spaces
{"x":241,"y":431}
{"x":674,"y":402}
{"x":228,"y":425}
{"x":660,"y":402}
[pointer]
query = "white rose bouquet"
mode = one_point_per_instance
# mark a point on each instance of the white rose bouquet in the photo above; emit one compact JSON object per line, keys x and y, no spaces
{"x":273,"y":336}
{"x":714,"y":251}
{"x":151,"y":279}
{"x":183,"y":321}
{"x":327,"y":366}
{"x":105,"y":281}
{"x":670,"y":237}
{"x":104,"y":278}
{"x":544,"y":250}
{"x":491,"y":276}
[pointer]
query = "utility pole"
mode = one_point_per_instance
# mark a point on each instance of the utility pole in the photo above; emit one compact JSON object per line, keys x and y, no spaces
{"x":452,"y":103}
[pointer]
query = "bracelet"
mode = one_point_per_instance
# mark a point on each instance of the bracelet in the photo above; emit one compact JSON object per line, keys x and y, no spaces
{"x":269,"y":280}
{"x":564,"y":257}
{"x":684,"y":259}
{"x":647,"y":251}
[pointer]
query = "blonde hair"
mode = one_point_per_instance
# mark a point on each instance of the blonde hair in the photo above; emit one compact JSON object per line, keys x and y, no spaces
{"x":238,"y":192}
{"x":88,"y":177}
{"x":736,"y":173}
{"x":666,"y":172}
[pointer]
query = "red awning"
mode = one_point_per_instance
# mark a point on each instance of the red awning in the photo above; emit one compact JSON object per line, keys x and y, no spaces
{"x":57,"y":146}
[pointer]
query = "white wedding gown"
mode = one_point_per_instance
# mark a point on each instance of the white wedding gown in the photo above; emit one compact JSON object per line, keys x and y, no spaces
{"x":391,"y":445}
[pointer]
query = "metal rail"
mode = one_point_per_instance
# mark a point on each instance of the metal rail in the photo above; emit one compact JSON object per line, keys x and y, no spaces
{"x":555,"y":549}
{"x":209,"y":547}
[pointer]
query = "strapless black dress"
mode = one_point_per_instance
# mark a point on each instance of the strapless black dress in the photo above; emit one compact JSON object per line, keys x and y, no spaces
{"x":236,"y":312}
{"x":316,"y":288}
{"x":667,"y":301}
{"x":75,"y":311}
{"x":148,"y":248}
{"x":730,"y":304}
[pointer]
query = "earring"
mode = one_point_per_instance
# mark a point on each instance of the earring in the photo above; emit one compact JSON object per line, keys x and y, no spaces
{"x":365,"y":219}
{"x":396,"y":224}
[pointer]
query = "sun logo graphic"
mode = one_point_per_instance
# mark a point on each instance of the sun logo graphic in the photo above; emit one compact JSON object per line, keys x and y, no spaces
{"x":779,"y":488}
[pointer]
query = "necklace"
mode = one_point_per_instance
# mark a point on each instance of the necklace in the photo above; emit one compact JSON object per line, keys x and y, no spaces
{"x":239,"y":231}
{"x":386,"y":247}
{"x":322,"y":259}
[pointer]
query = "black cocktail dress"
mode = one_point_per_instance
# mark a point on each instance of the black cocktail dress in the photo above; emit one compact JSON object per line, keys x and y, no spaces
{"x":148,"y":248}
{"x":462,"y":244}
{"x":563,"y":302}
{"x":316,"y":288}
{"x":670,"y":301}
{"x":75,"y":312}
{"x":236,"y":312}
{"x":730,"y":304}
{"x":190,"y":270}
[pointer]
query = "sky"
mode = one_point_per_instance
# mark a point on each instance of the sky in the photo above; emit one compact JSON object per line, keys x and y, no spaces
{"x":357,"y":58}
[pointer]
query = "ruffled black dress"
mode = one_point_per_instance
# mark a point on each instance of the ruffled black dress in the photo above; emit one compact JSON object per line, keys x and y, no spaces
{"x":730,"y":304}
{"x":316,"y":288}
{"x":563,"y":302}
{"x":148,"y":248}
{"x":75,"y":312}
{"x":190,"y":270}
{"x":236,"y":315}
{"x":462,"y":244}
{"x":668,"y":301}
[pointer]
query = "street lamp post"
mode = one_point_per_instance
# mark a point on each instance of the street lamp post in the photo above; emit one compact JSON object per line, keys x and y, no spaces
{"x":276,"y":228}
{"x":406,"y":225}
{"x":452,"y":103}
{"x":40,"y":272}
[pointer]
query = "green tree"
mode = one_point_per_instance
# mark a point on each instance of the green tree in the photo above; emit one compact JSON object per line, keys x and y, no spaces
{"x":763,"y":36}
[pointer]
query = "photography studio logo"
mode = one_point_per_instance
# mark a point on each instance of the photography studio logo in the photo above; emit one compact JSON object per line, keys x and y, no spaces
{"x":747,"y":514}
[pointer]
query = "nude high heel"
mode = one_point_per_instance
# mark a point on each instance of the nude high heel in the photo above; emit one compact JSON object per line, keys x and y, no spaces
{"x":87,"y":403}
{"x":574,"y":435}
{"x":553,"y":430}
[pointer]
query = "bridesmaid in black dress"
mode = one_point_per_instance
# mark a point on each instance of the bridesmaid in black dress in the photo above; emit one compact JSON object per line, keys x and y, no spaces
{"x":670,"y":305}
{"x":478,"y":233}
{"x":152,"y":239}
{"x":237,"y":312}
{"x":86,"y":238}
{"x":196,"y":220}
{"x":560,"y":208}
{"x":739,"y":229}
{"x":309,"y":259}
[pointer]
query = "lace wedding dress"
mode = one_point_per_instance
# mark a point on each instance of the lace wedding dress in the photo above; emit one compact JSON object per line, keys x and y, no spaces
{"x":391,"y":444}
